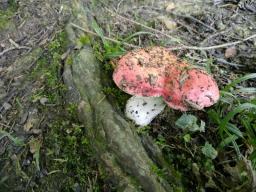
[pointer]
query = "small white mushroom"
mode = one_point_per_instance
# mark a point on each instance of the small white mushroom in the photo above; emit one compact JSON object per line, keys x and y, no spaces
{"x":142,"y":110}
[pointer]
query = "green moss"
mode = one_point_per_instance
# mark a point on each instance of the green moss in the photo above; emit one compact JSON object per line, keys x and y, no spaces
{"x":5,"y":15}
{"x":68,"y":151}
{"x":85,"y":40}
{"x":5,"y":19}
{"x":48,"y":70}
{"x":68,"y":156}
{"x":119,"y":96}
{"x":69,"y":60}
{"x":159,"y":172}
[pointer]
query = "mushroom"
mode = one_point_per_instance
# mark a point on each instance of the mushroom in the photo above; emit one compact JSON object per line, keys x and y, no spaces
{"x":156,"y":73}
{"x":142,"y":110}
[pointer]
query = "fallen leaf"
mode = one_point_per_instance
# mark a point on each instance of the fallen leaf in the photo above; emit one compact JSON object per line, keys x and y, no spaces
{"x":34,"y":147}
{"x":169,"y":23}
{"x":170,"y":7}
{"x":230,"y":52}
{"x":31,"y":122}
{"x":43,"y":100}
{"x":28,"y":125}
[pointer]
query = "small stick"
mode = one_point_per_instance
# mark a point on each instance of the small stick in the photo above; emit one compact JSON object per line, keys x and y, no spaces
{"x":196,"y":20}
{"x":13,"y":48}
{"x":174,"y":48}
{"x":108,"y":38}
{"x":214,"y":46}
{"x":228,"y":63}
{"x":8,"y":126}
{"x":14,"y":43}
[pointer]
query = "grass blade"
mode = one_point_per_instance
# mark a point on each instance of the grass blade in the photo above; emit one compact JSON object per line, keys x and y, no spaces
{"x":99,"y":31}
{"x":247,"y":90}
{"x":233,"y":129}
{"x":231,"y":114}
{"x":227,"y":141}
{"x":239,"y":80}
{"x":137,"y":34}
{"x":15,"y":140}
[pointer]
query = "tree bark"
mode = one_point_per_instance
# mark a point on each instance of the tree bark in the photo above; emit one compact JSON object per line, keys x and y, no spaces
{"x":115,"y":141}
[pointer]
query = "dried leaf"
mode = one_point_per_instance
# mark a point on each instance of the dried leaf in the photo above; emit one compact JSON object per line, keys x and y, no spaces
{"x":230,"y":52}
{"x":169,"y":23}
{"x":170,"y":7}
{"x":34,"y":146}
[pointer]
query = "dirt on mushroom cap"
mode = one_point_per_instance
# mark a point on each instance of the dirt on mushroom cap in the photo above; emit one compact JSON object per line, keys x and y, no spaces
{"x":142,"y":72}
{"x":200,"y":89}
{"x":192,"y":89}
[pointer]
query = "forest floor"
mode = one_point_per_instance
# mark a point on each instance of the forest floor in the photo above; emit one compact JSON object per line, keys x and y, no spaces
{"x":43,"y":146}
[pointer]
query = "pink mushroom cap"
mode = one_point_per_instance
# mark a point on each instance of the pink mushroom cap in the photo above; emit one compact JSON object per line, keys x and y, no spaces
{"x":142,"y":72}
{"x":200,"y":89}
{"x":194,"y":89}
{"x":155,"y":71}
{"x":173,"y":94}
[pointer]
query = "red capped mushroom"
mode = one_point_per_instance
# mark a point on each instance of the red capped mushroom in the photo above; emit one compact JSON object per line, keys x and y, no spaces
{"x":155,"y":71}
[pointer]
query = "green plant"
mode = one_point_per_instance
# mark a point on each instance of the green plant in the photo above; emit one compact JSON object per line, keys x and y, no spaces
{"x":111,"y":50}
{"x":15,"y":140}
{"x":235,"y":118}
{"x":209,"y":151}
{"x":5,"y":15}
{"x":189,"y":122}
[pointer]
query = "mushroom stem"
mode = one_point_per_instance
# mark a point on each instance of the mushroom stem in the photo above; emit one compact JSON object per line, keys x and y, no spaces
{"x":142,"y":110}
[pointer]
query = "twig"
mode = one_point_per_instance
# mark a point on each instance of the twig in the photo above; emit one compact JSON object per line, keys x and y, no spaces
{"x":196,"y":20}
{"x":214,"y":46}
{"x":8,"y":126}
{"x":228,"y":63}
{"x":174,"y":48}
{"x":212,"y":36}
{"x":107,"y":38}
{"x":13,"y":48}
{"x":118,"y":5}
{"x":14,"y":43}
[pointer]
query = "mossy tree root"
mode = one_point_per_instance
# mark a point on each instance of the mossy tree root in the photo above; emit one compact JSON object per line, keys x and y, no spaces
{"x":116,"y":143}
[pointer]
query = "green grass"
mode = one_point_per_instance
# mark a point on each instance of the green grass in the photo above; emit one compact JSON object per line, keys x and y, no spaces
{"x":235,"y":119}
{"x":15,"y":140}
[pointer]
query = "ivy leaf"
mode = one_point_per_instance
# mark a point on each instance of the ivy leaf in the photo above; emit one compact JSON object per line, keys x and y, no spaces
{"x":189,"y":122}
{"x":209,"y":151}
